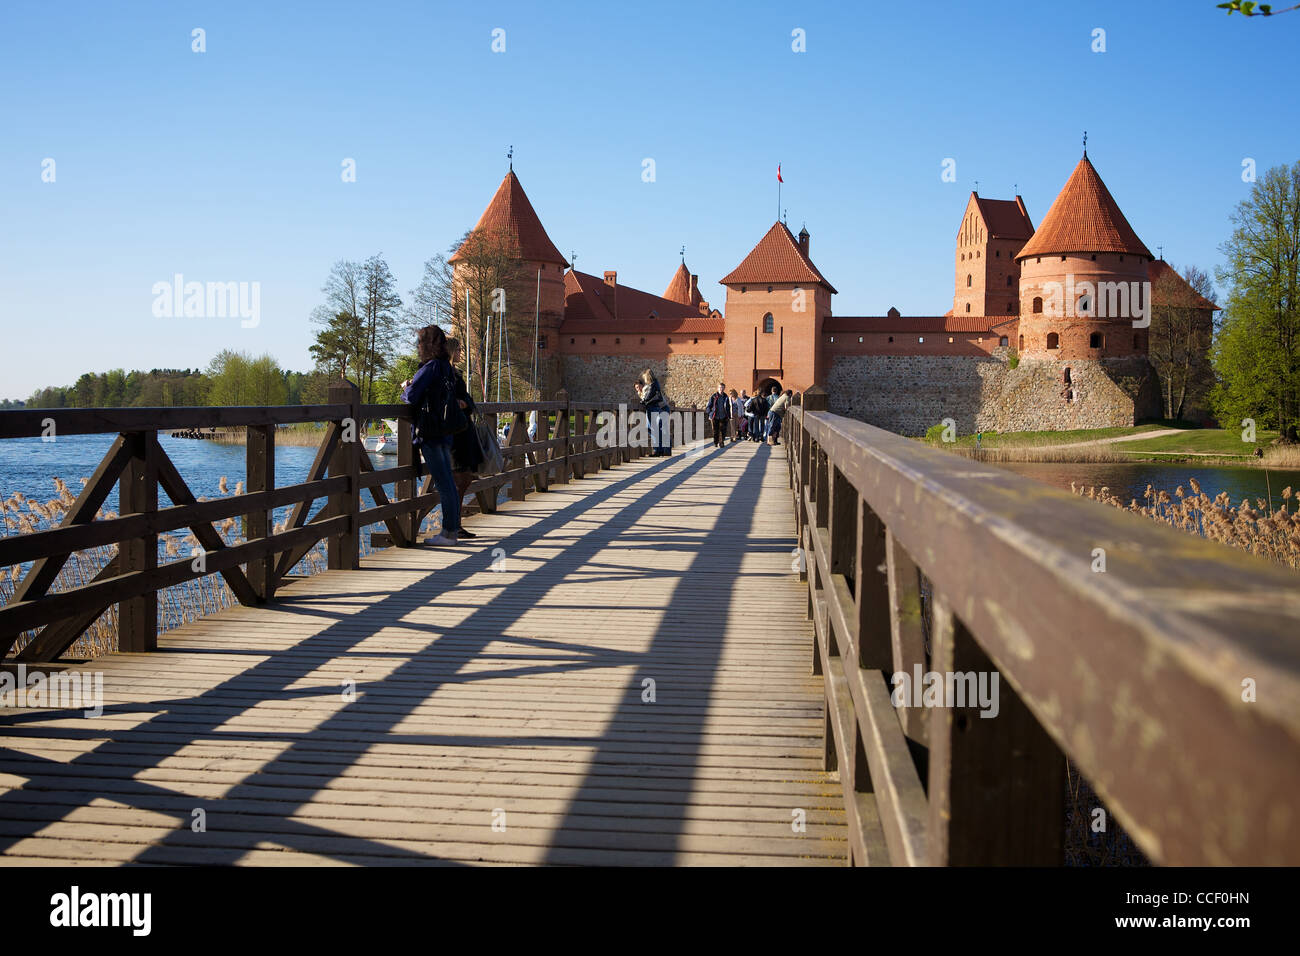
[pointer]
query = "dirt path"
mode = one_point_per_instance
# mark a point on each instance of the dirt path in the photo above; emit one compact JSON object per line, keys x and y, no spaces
{"x":1139,"y":436}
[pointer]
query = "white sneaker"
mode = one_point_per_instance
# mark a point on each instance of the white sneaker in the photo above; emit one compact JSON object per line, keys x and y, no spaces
{"x":439,"y":541}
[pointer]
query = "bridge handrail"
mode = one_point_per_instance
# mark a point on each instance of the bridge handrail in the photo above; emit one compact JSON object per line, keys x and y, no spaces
{"x":1171,"y":678}
{"x":567,"y":449}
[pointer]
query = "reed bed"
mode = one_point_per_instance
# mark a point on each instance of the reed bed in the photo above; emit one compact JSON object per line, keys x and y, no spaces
{"x":1273,"y":534}
{"x":177,"y":605}
{"x":307,"y":434}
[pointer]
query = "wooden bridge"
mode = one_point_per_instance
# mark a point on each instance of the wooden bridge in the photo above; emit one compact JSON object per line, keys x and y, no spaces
{"x":642,"y":661}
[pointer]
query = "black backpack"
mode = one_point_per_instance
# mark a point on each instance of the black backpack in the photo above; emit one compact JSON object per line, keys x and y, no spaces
{"x":439,"y":413}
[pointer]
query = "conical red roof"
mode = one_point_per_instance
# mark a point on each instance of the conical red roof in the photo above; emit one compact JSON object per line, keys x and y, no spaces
{"x":1084,"y":218}
{"x":510,"y":213}
{"x":776,"y":258}
{"x":679,"y":289}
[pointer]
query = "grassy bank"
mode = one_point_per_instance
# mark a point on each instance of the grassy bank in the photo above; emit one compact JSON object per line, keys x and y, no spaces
{"x":305,"y":433}
{"x":1206,"y":446}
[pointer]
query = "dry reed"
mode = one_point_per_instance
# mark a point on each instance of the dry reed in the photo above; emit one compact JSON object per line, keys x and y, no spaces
{"x":1273,"y":534}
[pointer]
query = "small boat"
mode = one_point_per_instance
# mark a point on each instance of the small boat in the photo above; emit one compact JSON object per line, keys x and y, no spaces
{"x":383,"y":444}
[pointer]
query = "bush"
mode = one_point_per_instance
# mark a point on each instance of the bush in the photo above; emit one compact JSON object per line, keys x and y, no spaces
{"x":934,"y":433}
{"x":1013,"y":358}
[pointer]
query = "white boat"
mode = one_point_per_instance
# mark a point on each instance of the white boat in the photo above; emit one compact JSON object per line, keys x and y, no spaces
{"x":384,"y":444}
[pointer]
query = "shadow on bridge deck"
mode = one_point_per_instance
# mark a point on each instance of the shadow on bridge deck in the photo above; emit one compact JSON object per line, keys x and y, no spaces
{"x":616,"y":671}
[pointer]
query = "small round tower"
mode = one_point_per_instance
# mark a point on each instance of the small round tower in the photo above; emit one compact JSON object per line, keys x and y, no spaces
{"x":1083,"y":278}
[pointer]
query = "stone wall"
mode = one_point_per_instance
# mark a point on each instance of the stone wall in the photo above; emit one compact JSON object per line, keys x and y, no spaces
{"x":908,"y":394}
{"x":685,"y":379}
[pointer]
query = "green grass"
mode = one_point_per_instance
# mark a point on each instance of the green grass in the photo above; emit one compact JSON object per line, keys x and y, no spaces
{"x":1022,"y":439}
{"x":1223,"y":442}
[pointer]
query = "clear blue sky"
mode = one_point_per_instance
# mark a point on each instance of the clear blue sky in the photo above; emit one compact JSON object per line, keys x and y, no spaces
{"x":225,"y":165}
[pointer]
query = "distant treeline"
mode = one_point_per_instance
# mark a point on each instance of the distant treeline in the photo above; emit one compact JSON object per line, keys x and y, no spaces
{"x":232,"y":378}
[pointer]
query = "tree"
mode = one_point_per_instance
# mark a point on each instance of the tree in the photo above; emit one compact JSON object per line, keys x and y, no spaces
{"x":1257,"y":349}
{"x":335,"y":344}
{"x":494,"y":280}
{"x":240,"y":379}
{"x":379,"y":317}
{"x":1179,"y":340}
{"x":359,"y":321}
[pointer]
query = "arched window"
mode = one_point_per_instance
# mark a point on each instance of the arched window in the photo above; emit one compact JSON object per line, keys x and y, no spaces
{"x":1096,"y":340}
{"x":967,"y":306}
{"x":767,"y":322}
{"x":1053,"y":340}
{"x":1022,"y":343}
{"x":1002,"y":341}
{"x":1011,"y":280}
{"x":1067,"y":375}
{"x":968,"y":280}
{"x":1038,"y":304}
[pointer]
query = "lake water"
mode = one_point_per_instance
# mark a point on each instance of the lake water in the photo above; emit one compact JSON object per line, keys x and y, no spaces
{"x":28,"y":465}
{"x":1129,"y":480}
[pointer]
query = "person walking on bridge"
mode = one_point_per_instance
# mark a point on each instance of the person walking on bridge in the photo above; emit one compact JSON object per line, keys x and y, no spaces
{"x":718,"y":411}
{"x":737,"y":416}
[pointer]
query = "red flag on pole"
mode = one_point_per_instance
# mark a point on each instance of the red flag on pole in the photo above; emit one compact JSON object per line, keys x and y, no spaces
{"x":778,"y":173}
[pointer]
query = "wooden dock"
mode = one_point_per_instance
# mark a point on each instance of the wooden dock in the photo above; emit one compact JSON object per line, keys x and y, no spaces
{"x":616,"y":671}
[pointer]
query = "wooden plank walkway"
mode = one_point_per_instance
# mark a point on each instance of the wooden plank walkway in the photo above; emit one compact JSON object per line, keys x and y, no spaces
{"x":502,"y":709}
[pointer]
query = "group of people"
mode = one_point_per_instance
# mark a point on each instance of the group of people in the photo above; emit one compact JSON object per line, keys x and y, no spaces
{"x":453,"y":456}
{"x":749,"y":417}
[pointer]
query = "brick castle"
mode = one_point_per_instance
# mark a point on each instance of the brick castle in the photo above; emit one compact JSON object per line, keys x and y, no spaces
{"x":1040,"y":335}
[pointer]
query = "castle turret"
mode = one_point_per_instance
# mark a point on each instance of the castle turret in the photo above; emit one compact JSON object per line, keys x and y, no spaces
{"x":1083,"y":278}
{"x":536,"y":290}
{"x":777,"y":301}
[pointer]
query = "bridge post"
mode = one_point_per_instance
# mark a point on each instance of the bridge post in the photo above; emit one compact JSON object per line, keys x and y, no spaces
{"x":259,"y":456}
{"x":518,"y":436}
{"x":137,"y":617}
{"x":343,"y":552}
{"x":561,"y":454}
{"x":405,"y":490}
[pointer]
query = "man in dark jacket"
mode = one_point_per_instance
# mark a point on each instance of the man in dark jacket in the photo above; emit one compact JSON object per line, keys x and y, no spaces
{"x":718,"y":412}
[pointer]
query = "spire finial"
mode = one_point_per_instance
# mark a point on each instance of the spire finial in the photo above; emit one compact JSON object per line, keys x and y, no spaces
{"x":510,"y":155}
{"x":977,"y":187}
{"x":683,"y":254}
{"x":1161,"y":250}
{"x":784,"y":214}
{"x":1085,"y":142}
{"x":573,"y":261}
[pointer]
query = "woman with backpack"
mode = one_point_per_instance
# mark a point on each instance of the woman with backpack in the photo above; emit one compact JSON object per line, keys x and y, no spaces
{"x":656,"y":408}
{"x":466,"y":453}
{"x":432,"y":393}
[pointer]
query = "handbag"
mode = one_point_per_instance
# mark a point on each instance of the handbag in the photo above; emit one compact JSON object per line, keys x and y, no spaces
{"x":493,"y":461}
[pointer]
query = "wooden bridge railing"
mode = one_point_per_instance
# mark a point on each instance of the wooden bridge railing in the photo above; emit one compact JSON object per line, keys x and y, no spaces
{"x":1165,"y":666}
{"x":137,"y":464}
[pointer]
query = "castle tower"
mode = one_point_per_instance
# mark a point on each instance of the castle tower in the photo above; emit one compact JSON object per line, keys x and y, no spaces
{"x":537,"y":288}
{"x":685,"y":288}
{"x":777,"y":301}
{"x":1083,"y":278}
{"x":992,"y":233}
